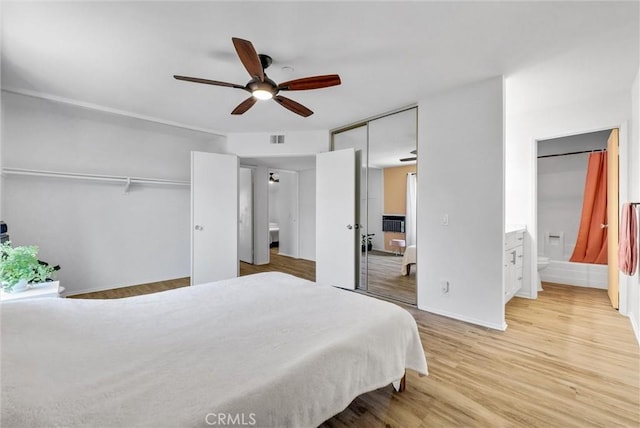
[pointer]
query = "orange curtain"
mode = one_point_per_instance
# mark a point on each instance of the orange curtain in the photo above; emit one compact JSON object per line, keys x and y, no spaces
{"x":591,"y":245}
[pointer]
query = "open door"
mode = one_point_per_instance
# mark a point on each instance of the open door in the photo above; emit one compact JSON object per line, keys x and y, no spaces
{"x":337,"y":227}
{"x":214,"y":217}
{"x":612,"y":216}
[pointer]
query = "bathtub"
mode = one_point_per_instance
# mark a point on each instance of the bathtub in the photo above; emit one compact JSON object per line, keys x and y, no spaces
{"x":571,"y":273}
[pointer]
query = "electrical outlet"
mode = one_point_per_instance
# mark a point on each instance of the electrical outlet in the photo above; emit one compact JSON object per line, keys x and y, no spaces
{"x":444,"y":286}
{"x":444,"y":220}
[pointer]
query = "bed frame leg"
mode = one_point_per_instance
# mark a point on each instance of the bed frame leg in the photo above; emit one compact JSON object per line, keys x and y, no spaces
{"x":402,"y":384}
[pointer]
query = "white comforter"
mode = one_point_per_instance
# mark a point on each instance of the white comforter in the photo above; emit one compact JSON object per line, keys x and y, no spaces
{"x":268,"y":348}
{"x":408,"y":258}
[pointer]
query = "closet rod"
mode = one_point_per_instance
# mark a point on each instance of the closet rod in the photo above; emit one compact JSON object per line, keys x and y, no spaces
{"x":93,"y":177}
{"x":572,"y":153}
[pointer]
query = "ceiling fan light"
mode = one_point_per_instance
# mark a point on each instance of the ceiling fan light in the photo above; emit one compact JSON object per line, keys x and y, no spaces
{"x":262,"y":94}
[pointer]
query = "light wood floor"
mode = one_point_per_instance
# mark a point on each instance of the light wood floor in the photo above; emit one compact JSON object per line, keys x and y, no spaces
{"x":567,"y":359}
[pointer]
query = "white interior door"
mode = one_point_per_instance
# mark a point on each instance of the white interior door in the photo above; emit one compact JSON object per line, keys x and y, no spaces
{"x":336,"y":221}
{"x":245,"y":225}
{"x":214,"y":217}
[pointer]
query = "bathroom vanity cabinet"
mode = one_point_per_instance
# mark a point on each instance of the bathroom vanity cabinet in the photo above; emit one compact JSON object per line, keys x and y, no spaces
{"x":513,"y":260}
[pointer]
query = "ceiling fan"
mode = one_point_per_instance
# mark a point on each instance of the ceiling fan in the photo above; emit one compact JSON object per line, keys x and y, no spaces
{"x":263,"y":88}
{"x":413,"y":158}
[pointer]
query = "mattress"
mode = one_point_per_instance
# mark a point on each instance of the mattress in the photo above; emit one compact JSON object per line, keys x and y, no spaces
{"x":267,"y":349}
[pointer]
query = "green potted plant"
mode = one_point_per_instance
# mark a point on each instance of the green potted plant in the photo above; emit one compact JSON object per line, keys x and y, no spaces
{"x":20,"y":267}
{"x":367,"y":241}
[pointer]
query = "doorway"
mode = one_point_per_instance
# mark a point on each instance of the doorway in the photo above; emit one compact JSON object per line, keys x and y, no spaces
{"x":284,"y":207}
{"x":561,"y":171}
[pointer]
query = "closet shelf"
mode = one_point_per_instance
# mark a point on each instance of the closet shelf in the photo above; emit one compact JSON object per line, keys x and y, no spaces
{"x":127,"y":181}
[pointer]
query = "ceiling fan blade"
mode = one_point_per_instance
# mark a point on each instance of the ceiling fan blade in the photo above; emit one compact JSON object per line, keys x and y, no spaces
{"x":293,"y":106}
{"x":208,"y":82}
{"x":245,"y":105}
{"x":249,"y":57}
{"x":315,"y":82}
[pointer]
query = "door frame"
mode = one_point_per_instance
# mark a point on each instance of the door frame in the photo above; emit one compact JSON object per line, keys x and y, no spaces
{"x":623,"y":193}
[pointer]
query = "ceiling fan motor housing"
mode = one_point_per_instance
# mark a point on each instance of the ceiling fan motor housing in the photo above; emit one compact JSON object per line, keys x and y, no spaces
{"x":268,"y":85}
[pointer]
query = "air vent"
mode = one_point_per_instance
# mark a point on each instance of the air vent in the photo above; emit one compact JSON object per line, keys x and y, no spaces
{"x":277,"y":139}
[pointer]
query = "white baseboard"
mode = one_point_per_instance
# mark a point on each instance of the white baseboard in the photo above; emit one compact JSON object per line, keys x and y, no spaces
{"x":523,"y":295}
{"x":287,"y":255}
{"x":501,"y":327}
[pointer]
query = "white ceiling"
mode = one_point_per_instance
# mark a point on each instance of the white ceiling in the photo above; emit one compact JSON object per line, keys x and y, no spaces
{"x":286,"y":163}
{"x":122,"y":56}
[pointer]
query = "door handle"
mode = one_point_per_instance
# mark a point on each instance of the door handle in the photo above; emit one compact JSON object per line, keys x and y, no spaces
{"x":198,"y":227}
{"x":356,"y":226}
{"x":349,"y":227}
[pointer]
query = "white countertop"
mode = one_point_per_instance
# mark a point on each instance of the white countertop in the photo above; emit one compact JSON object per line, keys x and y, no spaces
{"x":514,"y":228}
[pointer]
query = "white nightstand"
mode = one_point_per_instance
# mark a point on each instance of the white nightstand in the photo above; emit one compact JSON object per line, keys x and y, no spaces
{"x":51,"y":290}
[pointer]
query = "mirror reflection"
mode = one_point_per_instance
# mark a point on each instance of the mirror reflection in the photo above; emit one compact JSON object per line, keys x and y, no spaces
{"x":387,"y":202}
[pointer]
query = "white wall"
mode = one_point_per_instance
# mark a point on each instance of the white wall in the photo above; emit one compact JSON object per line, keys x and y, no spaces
{"x":261,"y":251}
{"x":287,"y":207}
{"x":307,"y":214}
{"x":523,"y":129}
{"x":1,"y":150}
{"x":632,"y":284}
{"x":257,"y":144}
{"x":461,"y":145}
{"x":101,"y":237}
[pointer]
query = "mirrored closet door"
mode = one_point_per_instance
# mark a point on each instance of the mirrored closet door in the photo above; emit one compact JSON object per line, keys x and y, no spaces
{"x":387,"y":208}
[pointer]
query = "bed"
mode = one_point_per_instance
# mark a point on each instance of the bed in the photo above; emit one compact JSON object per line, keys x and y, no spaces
{"x":408,"y":259}
{"x":267,"y":349}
